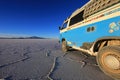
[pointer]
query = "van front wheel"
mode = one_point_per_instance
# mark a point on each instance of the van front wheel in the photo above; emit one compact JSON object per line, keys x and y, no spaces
{"x":108,"y":59}
{"x":64,"y":46}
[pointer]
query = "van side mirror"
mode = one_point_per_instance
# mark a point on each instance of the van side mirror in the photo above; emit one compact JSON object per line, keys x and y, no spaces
{"x":59,"y":28}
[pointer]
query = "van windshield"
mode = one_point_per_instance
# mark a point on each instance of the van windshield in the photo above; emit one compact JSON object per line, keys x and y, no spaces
{"x":64,"y":25}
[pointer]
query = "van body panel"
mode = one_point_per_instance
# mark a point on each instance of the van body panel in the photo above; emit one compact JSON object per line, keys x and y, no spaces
{"x":77,"y":36}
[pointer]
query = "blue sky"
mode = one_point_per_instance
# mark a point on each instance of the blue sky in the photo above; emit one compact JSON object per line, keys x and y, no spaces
{"x":35,"y":17}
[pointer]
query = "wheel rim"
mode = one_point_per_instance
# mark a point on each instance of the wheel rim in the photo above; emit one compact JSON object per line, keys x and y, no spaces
{"x":112,"y":61}
{"x":64,"y":46}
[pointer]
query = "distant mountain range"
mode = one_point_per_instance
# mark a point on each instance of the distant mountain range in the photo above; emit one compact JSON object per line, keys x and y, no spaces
{"x":32,"y":37}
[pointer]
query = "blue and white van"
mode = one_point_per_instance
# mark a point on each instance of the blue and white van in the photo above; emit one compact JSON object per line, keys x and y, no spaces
{"x":95,"y":29}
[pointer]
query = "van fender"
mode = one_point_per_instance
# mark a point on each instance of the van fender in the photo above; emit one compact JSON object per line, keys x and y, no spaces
{"x":96,"y":45}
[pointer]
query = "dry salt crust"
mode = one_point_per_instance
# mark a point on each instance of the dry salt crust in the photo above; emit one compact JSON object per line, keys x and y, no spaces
{"x":42,"y":59}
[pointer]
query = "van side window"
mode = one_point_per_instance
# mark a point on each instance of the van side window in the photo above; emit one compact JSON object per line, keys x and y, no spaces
{"x":77,"y":18}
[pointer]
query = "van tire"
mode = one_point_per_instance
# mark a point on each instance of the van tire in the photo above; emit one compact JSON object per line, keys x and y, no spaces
{"x":108,"y":59}
{"x":64,"y":46}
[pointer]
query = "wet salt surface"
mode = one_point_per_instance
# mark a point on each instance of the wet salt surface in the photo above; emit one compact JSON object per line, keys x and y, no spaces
{"x":42,"y":59}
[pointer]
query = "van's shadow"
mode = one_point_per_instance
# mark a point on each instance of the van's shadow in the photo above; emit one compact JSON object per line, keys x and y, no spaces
{"x":81,"y":56}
